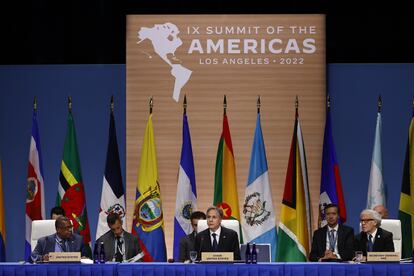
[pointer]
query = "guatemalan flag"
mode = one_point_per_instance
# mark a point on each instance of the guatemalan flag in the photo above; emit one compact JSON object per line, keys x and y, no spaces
{"x":186,"y":191}
{"x":331,"y":186}
{"x":113,"y":196}
{"x":35,"y":205}
{"x":259,"y":223}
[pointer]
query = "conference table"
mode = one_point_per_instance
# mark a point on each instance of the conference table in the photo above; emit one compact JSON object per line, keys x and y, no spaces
{"x":179,"y":269}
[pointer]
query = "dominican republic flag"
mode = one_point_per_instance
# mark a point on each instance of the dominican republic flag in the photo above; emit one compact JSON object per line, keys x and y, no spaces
{"x":259,"y":223}
{"x":113,"y":196}
{"x":186,"y":199}
{"x":35,"y":205}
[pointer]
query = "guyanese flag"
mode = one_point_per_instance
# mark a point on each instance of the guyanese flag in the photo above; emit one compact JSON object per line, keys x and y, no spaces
{"x":295,"y":217}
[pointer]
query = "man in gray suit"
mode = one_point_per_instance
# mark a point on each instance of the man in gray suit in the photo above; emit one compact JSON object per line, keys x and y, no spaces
{"x":64,"y":240}
{"x":187,"y":243}
{"x":119,"y":244}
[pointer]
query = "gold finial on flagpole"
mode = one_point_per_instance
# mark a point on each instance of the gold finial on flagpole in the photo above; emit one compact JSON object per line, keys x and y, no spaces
{"x":112,"y":106}
{"x":258,"y":104}
{"x":151,"y":104}
{"x":379,"y":104}
{"x":185,"y":104}
{"x":70,"y":104}
{"x":35,"y":104}
{"x":225,"y":104}
{"x":297,"y":103}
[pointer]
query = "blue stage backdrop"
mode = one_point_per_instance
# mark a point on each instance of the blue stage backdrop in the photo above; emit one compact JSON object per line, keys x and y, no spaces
{"x":354,"y":89}
{"x":91,"y":87}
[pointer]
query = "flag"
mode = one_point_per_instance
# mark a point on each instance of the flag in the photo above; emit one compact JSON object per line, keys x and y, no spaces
{"x":225,"y":184}
{"x":2,"y":220}
{"x":113,"y":196}
{"x":35,"y":204}
{"x":71,"y":192}
{"x":295,"y":217}
{"x":376,"y":189}
{"x":148,"y":221}
{"x":259,"y":223}
{"x":186,"y":199}
{"x":406,"y":211}
{"x":331,"y":186}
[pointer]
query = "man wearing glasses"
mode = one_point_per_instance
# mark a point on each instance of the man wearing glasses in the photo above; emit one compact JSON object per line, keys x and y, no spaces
{"x":64,"y":240}
{"x":372,"y":237}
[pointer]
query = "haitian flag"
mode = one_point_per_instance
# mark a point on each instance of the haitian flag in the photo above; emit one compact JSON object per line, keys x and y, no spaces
{"x":71,"y":193}
{"x":148,"y":221}
{"x":331,"y":186}
{"x":35,"y":199}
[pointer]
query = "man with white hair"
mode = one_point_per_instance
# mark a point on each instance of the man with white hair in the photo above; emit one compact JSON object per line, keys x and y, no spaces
{"x":372,"y":237}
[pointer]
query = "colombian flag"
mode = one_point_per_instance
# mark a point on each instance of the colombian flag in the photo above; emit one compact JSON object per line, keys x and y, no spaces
{"x":225,"y":184}
{"x":295,"y":218}
{"x":148,"y":221}
{"x":2,"y":220}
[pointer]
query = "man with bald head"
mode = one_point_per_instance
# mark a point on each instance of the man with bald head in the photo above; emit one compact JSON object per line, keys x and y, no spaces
{"x":64,"y":240}
{"x":382,"y":211}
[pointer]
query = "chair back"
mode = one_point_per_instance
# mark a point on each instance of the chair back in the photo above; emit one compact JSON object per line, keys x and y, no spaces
{"x":228,"y":223}
{"x":41,"y":228}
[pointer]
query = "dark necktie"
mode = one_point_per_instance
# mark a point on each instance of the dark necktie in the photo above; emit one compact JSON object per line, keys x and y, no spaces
{"x":118,"y":251}
{"x":370,"y":244}
{"x":332,"y":240}
{"x":64,"y":246}
{"x":215,"y":245}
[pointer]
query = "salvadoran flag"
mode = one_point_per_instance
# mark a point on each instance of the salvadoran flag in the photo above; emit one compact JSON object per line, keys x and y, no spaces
{"x":259,"y":223}
{"x":186,"y":199}
{"x":35,"y":205}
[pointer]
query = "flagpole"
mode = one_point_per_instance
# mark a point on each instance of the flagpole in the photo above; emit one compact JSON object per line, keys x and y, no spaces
{"x":328,"y":102}
{"x":258,"y":104}
{"x":151,"y":104}
{"x":297,"y":106}
{"x":224,"y":105}
{"x":70,"y":104}
{"x":185,"y":104}
{"x":379,"y":104}
{"x":112,"y":104}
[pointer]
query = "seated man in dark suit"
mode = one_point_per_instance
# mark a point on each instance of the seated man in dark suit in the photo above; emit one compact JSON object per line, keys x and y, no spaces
{"x":187,"y":243}
{"x":372,"y":237}
{"x":62,"y":241}
{"x":119,"y":245}
{"x":333,"y":241}
{"x":217,"y":238}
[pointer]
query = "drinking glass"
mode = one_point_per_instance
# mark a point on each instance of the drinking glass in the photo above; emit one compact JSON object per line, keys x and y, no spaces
{"x":193,"y":256}
{"x":358,"y":256}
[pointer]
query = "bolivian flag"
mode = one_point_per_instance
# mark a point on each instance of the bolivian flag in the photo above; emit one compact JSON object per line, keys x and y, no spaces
{"x":295,"y":217}
{"x":225,"y":184}
{"x":406,"y":211}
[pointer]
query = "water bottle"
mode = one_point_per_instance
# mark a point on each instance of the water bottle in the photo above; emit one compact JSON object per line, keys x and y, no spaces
{"x":248,"y":255}
{"x":254,"y":254}
{"x":102,"y":258}
{"x":96,"y":254}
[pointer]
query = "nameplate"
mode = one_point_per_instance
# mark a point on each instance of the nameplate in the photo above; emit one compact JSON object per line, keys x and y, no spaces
{"x":217,"y":257}
{"x":383,"y":256}
{"x":64,"y":257}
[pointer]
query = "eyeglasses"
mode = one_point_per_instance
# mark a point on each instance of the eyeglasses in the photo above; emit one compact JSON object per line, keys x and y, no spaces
{"x":365,"y":220}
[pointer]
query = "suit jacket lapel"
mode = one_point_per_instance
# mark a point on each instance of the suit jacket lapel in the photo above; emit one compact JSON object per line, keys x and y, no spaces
{"x":207,"y":242}
{"x":377,"y":241}
{"x":50,"y":243}
{"x":340,"y":237}
{"x":322,"y":241}
{"x":222,"y":240}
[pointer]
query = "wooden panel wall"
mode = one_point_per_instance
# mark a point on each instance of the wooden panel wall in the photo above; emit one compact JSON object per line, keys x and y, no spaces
{"x":278,"y":84}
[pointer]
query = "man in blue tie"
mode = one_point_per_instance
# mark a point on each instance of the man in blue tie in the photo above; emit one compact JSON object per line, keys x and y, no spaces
{"x":64,"y":240}
{"x":372,"y":237}
{"x":217,"y":238}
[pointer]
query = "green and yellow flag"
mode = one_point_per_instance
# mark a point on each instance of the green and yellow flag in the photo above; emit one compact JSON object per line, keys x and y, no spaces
{"x":225,"y":184}
{"x":406,"y":211}
{"x":295,"y":217}
{"x":71,"y":193}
